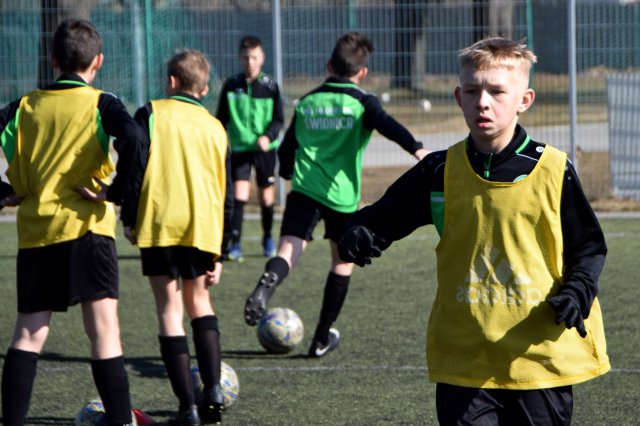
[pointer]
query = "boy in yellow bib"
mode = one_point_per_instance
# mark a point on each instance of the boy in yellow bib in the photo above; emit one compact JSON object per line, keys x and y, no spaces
{"x":515,"y":322}
{"x":56,"y":141}
{"x":179,"y":230}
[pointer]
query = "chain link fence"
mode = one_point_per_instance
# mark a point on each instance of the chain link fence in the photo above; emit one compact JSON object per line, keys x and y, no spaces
{"x":413,"y":68}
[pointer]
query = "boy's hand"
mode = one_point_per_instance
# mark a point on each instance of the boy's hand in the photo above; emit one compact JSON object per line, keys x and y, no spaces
{"x":213,"y":277}
{"x":263,"y":143}
{"x":93,"y":196}
{"x":359,"y":245}
{"x":568,"y":310}
{"x":11,"y":201}
{"x":421,"y":153}
{"x":130,"y":234}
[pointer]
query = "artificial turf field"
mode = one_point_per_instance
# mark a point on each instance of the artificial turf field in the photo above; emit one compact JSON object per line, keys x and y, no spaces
{"x":376,"y":377}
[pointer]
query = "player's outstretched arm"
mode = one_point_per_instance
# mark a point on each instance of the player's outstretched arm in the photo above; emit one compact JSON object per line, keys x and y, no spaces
{"x":359,"y":245}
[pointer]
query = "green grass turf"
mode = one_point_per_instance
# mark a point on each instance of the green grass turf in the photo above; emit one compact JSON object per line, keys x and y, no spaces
{"x":376,"y":377}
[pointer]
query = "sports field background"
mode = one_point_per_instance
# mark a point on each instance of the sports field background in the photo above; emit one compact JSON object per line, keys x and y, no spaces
{"x":376,"y":377}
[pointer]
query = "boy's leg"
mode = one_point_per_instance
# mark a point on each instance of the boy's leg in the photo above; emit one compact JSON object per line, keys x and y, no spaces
{"x":206,"y":339}
{"x":19,"y":370}
{"x":335,"y":293}
{"x":240,"y":173}
{"x":267,"y":195}
{"x":265,"y":165}
{"x":276,"y":269}
{"x":107,"y":363}
{"x":174,"y":346}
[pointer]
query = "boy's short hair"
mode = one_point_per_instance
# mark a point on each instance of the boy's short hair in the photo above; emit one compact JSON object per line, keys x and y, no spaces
{"x":350,"y":54}
{"x":76,"y":43}
{"x":249,"y":42}
{"x":190,"y":68}
{"x":497,"y":52}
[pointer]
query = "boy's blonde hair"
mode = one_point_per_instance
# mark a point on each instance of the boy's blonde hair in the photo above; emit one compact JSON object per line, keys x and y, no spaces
{"x":190,"y":68}
{"x":497,"y":52}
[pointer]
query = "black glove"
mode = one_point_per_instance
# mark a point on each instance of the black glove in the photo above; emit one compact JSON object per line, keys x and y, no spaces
{"x":359,"y":245}
{"x":568,"y":310}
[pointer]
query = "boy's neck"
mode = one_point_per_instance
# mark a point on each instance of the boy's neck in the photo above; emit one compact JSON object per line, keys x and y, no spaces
{"x":183,"y":92}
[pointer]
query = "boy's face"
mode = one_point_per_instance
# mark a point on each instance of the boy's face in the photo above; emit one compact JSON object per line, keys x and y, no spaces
{"x":491,"y":101}
{"x":252,"y":61}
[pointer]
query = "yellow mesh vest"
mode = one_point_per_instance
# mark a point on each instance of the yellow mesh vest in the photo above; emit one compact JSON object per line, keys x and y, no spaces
{"x":57,"y":148}
{"x":499,"y":259}
{"x":183,"y":191}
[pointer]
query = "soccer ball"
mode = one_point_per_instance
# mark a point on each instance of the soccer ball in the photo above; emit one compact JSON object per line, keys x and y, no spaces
{"x":92,"y":414}
{"x":228,"y":382}
{"x":280,"y":330}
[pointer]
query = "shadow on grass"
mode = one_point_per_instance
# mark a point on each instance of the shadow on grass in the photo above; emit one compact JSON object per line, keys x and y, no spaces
{"x":259,"y":355}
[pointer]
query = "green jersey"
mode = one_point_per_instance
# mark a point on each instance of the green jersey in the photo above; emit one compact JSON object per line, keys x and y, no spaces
{"x":322,"y":150}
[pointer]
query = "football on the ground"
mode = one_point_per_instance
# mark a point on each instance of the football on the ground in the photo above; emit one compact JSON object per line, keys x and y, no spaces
{"x":280,"y":330}
{"x":92,"y":414}
{"x":228,"y":382}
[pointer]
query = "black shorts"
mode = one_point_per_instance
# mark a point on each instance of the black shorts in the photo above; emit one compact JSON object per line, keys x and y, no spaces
{"x":175,"y":261}
{"x":60,"y":275}
{"x":302,"y":214}
{"x":457,"y":405}
{"x":263,"y":162}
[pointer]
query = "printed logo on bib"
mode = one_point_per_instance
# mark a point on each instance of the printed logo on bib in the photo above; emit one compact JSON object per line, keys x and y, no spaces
{"x":492,"y":280}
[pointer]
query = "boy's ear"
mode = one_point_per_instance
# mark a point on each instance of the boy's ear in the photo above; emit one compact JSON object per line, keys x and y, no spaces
{"x":97,"y":62}
{"x":456,"y":94}
{"x":172,"y":83}
{"x":204,"y":91}
{"x":329,"y":67}
{"x":527,"y":99}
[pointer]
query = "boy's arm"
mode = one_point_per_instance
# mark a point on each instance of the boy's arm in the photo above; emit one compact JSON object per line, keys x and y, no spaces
{"x":132,"y":155}
{"x":403,"y":208}
{"x":375,"y":117}
{"x":222,"y":113}
{"x":584,"y":253}
{"x":277,"y":120}
{"x":228,"y":209}
{"x":7,"y":114}
{"x":287,"y":151}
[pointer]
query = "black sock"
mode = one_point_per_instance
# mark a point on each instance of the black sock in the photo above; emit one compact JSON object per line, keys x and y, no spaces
{"x":279,"y":266}
{"x":18,"y":375}
{"x":335,"y":292}
{"x":175,"y":356}
{"x":236,"y":221}
{"x":206,"y":338}
{"x":267,"y":220}
{"x":112,"y":383}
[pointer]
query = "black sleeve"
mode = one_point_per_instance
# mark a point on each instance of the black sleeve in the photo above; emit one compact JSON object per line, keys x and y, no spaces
{"x":376,"y":118}
{"x":277,"y":120}
{"x":403,"y":208}
{"x":132,"y":156}
{"x":583,"y":240}
{"x":222,"y":113}
{"x":287,"y":151}
{"x":228,"y":209}
{"x":7,"y":114}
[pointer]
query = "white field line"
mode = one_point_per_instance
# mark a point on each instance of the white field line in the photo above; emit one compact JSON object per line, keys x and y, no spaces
{"x":316,"y":369}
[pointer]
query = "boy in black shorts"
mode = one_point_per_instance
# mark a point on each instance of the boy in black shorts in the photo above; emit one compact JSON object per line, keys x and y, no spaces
{"x":250,"y":109}
{"x":179,"y":229}
{"x":56,"y":142}
{"x":322,"y":155}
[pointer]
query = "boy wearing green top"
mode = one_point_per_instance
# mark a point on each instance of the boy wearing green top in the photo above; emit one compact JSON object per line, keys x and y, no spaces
{"x":322,"y":155}
{"x":250,"y":109}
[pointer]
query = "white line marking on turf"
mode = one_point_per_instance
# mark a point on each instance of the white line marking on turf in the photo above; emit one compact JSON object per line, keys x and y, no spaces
{"x":316,"y":369}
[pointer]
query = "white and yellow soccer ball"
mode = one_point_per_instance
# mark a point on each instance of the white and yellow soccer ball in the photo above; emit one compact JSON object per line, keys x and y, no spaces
{"x":280,"y":330}
{"x":228,"y":382}
{"x":92,"y":414}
